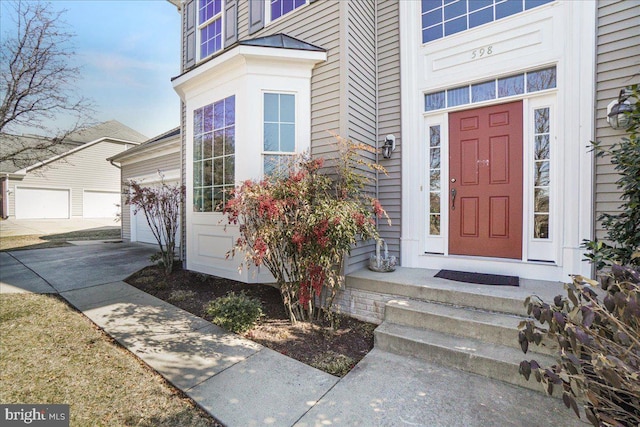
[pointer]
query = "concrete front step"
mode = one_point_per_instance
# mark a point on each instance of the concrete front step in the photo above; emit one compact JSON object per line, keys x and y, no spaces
{"x":420,"y":284}
{"x":490,"y":327}
{"x":491,"y":360}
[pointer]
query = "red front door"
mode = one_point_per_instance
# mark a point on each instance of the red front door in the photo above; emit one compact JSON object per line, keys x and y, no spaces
{"x":485,"y":181}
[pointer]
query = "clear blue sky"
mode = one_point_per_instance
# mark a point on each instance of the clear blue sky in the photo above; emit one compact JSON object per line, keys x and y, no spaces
{"x":128,"y":51}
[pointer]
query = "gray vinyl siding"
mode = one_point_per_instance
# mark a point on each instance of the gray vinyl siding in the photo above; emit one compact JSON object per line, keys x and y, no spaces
{"x":361,"y":102}
{"x":86,"y":169}
{"x":390,"y":186}
{"x":148,"y":166}
{"x":617,"y":66}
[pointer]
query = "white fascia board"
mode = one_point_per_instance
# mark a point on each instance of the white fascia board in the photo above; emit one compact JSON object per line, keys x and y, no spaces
{"x":276,"y":58}
{"x":152,"y":152}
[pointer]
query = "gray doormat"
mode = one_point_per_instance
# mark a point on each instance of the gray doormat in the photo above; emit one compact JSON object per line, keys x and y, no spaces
{"x":479,"y":278}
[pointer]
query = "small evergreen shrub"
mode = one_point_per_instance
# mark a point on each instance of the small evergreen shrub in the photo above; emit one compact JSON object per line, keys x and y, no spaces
{"x":334,"y":363}
{"x":235,"y":312}
{"x":181,"y":295}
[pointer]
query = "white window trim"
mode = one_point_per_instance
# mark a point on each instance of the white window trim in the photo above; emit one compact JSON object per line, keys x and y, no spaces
{"x":436,"y":244}
{"x":199,"y":27}
{"x":546,"y":250}
{"x":267,"y":12}
{"x":295,"y":151}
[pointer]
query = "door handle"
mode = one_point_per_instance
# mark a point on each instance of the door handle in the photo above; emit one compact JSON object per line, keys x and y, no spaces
{"x":453,"y":199}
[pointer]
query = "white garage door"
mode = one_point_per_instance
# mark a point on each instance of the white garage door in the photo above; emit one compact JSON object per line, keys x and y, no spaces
{"x":41,"y":203}
{"x":100,"y":204}
{"x":140,"y":231}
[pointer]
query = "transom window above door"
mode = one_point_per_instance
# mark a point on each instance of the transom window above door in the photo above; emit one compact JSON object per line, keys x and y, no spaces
{"x":517,"y":84}
{"x":441,"y":18}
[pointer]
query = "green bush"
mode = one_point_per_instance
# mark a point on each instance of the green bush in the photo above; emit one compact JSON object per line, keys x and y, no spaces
{"x":235,"y":312}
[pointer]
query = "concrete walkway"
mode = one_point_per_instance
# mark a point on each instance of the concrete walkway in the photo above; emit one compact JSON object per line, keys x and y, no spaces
{"x":242,"y":383}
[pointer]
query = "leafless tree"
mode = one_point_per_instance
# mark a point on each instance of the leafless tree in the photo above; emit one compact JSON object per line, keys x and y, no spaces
{"x":37,"y":83}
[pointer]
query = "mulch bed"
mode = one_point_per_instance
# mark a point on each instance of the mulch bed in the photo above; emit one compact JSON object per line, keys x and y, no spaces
{"x":314,"y":344}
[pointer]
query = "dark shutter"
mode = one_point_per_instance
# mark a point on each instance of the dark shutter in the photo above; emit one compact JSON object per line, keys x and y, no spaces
{"x":230,"y":22}
{"x":190,"y":33}
{"x":256,"y":15}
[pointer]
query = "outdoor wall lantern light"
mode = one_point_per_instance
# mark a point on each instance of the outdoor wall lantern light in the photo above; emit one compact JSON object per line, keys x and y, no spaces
{"x":618,"y":111}
{"x":389,"y":146}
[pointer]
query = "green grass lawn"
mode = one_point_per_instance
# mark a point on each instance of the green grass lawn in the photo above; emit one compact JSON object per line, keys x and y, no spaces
{"x":50,"y":353}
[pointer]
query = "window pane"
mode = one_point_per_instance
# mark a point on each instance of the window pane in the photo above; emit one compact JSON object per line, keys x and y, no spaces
{"x":458,"y":96}
{"x":287,"y":108}
{"x":434,"y":225}
{"x":480,"y":17}
{"x":207,"y":178}
{"x":483,"y":91}
{"x":432,"y":18}
{"x":218,"y":171}
{"x":207,"y":146}
{"x":197,"y":200}
{"x":197,"y":174}
{"x":218,"y":199}
{"x":541,"y":226}
{"x":271,"y":107}
{"x":207,"y":200}
{"x":434,"y":136}
{"x":541,"y":147}
{"x":197,"y":148}
{"x":434,"y":180}
{"x":270,"y":164}
{"x":434,"y":101}
{"x":428,"y":5}
{"x":434,"y":202}
{"x":541,"y":79}
{"x":229,"y":169}
{"x":541,"y":177}
{"x":218,"y":143}
{"x":510,"y":86}
{"x":197,"y":121}
{"x":207,"y":114}
{"x":287,"y":138}
{"x":530,"y":4}
{"x":271,"y":137}
{"x":230,"y":111}
{"x":455,"y":9}
{"x":218,"y":115}
{"x":541,"y":117}
{"x":432,"y":33}
{"x":478,"y":4}
{"x":508,"y":8}
{"x":435,"y":158}
{"x":455,"y":26}
{"x":229,"y":141}
{"x":541,"y":200}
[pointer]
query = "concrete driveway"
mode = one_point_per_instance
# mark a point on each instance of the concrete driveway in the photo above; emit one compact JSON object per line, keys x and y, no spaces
{"x":23,"y":227}
{"x":63,"y":269}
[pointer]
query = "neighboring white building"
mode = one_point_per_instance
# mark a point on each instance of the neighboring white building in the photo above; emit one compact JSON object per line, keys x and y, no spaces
{"x":74,"y":181}
{"x":149,"y":163}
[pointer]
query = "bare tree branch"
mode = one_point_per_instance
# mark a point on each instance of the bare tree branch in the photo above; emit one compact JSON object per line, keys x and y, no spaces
{"x":37,"y":82}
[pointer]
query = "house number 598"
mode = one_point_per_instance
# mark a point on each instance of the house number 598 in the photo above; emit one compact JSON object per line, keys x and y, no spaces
{"x":483,"y":51}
